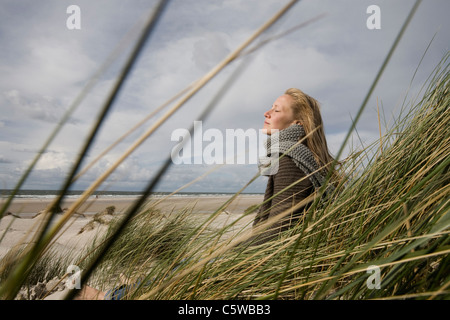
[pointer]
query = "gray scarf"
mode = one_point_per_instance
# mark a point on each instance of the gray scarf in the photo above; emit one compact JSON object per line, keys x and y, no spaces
{"x":282,"y":142}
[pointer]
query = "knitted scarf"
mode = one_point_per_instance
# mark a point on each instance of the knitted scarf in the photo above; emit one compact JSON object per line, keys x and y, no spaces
{"x":282,"y":142}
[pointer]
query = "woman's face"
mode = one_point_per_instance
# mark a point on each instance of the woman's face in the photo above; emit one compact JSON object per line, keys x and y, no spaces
{"x":280,"y":116}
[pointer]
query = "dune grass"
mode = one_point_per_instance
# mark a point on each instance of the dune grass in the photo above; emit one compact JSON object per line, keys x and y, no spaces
{"x":390,"y":211}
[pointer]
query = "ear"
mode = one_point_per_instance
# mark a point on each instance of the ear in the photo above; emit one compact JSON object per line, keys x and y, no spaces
{"x":297,"y":122}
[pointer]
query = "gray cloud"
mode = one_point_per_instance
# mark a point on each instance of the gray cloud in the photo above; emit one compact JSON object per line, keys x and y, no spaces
{"x":44,"y":66}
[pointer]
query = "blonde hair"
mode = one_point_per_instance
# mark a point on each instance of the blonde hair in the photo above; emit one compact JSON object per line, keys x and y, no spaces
{"x":307,"y":110}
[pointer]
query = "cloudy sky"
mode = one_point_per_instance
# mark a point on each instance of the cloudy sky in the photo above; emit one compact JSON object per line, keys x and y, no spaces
{"x":44,"y":66}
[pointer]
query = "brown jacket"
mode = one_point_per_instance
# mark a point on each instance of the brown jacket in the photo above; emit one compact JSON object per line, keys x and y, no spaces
{"x":287,"y":174}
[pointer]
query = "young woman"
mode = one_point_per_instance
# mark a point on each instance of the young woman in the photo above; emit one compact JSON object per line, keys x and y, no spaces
{"x":297,"y":140}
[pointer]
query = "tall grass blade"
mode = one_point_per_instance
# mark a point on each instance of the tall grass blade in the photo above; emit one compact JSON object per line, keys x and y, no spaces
{"x":19,"y":274}
{"x":375,"y":82}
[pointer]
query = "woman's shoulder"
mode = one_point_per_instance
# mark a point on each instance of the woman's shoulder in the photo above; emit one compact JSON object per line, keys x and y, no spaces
{"x":288,"y":170}
{"x":287,"y":161}
{"x":288,"y":173}
{"x":286,"y":165}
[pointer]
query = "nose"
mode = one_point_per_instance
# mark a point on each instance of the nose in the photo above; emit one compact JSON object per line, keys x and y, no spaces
{"x":267,"y":114}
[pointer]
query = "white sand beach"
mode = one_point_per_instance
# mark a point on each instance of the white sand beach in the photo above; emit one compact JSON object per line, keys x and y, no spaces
{"x":21,"y":219}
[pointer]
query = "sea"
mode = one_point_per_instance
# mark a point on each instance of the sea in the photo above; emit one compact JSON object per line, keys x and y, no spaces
{"x":50,"y":194}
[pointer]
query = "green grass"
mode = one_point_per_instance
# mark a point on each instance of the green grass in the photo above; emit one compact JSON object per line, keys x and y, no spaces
{"x":389,"y":210}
